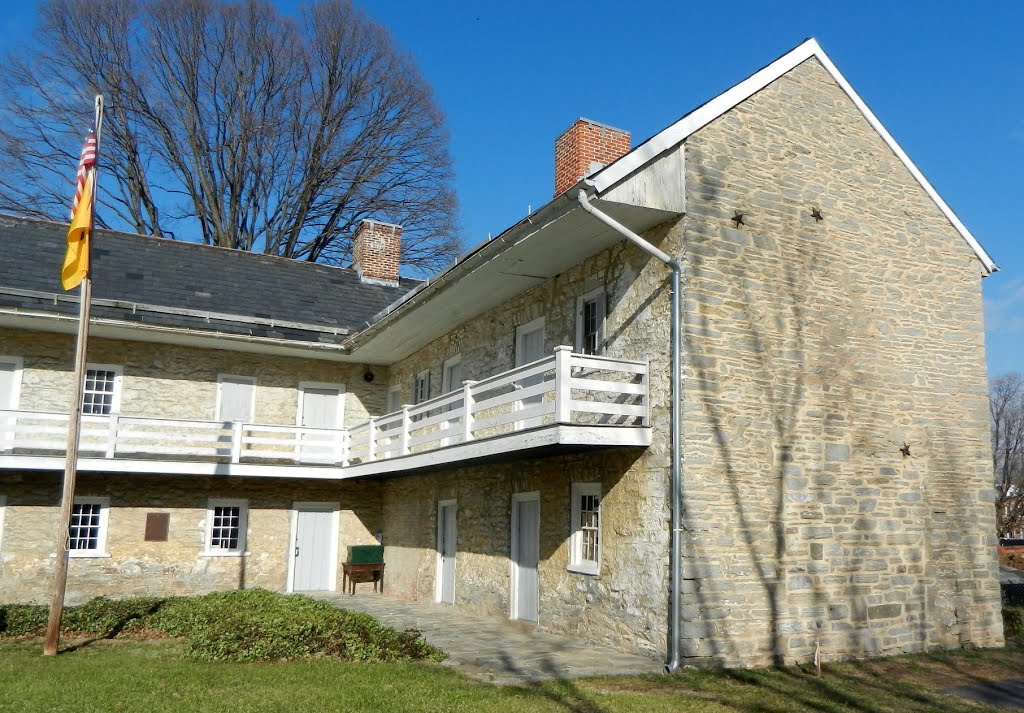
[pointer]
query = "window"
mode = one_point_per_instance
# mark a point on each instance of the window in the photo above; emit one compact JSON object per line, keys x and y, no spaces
{"x":226,"y":523}
{"x":102,"y":389}
{"x":585,"y":543}
{"x":421,"y":387}
{"x":87,"y":531}
{"x":590,"y":309}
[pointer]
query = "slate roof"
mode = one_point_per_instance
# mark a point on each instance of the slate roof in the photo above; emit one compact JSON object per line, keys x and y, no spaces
{"x":220,"y":290}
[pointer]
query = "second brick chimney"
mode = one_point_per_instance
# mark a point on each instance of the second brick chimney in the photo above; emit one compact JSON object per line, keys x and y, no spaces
{"x":376,"y":252}
{"x":585,"y":147}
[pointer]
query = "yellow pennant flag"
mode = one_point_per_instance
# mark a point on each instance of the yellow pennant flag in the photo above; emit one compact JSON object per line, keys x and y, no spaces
{"x":76,"y":260}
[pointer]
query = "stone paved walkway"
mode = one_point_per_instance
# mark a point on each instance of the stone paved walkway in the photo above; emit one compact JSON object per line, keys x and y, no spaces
{"x":496,"y":650}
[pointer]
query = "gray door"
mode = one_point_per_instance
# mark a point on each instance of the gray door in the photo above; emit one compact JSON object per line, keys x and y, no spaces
{"x":235,"y":399}
{"x":319,"y":410}
{"x":526,"y":555}
{"x":8,"y":371}
{"x":314,"y":533}
{"x":529,"y":348}
{"x":446,"y":538}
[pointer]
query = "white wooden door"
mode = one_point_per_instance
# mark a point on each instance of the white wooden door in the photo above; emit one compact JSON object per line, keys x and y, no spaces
{"x":525,"y":558}
{"x":446,"y":552}
{"x":235,"y":401}
{"x":9,"y":388}
{"x":529,"y":348}
{"x":314,"y":549}
{"x":321,"y":406}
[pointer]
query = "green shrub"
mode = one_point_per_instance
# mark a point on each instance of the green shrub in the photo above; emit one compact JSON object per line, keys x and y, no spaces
{"x":1013,"y":623}
{"x":249,"y":625}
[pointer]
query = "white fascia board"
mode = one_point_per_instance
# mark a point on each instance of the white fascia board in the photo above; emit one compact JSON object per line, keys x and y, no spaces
{"x":704,"y":115}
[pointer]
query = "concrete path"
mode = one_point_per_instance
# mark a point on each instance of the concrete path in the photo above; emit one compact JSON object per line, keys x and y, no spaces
{"x":1005,"y":694}
{"x":496,"y":650}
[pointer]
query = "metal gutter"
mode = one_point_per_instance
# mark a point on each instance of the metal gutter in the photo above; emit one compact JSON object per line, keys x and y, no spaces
{"x":55,"y":297}
{"x":299,"y":346}
{"x":675,"y":408}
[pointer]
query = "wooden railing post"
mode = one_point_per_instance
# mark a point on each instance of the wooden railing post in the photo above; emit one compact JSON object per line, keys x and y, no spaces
{"x":404,"y":436}
{"x":112,"y":425}
{"x":563,"y":384}
{"x":467,"y":410}
{"x":371,"y":443}
{"x":645,"y":379}
{"x":343,"y":447}
{"x":236,"y":442}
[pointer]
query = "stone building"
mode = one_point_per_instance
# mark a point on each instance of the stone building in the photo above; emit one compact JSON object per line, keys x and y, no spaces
{"x":504,"y":428}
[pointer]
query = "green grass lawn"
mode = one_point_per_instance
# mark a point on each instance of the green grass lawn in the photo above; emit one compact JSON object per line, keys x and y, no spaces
{"x":157,"y":676}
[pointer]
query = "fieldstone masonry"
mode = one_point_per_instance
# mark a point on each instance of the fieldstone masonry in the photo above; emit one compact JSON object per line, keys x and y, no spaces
{"x":814,"y":350}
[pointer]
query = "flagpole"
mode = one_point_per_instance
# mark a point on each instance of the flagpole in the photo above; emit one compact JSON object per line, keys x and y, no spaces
{"x":60,"y":576}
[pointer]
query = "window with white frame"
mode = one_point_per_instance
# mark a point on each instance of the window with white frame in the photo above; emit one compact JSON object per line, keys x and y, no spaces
{"x":585,"y":543}
{"x":226,"y":523}
{"x":421,"y":387}
{"x":590,"y":311}
{"x":87,"y":530}
{"x":102,"y":389}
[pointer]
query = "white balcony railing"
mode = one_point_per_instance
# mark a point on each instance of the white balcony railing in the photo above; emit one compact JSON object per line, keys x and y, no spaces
{"x":564,"y":388}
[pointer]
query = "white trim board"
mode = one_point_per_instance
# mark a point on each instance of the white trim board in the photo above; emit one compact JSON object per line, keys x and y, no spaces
{"x":724,"y":102}
{"x":550,"y":435}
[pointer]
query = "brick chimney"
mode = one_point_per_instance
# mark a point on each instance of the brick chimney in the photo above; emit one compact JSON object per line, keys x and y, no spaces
{"x":376,"y":252}
{"x":585,"y":147}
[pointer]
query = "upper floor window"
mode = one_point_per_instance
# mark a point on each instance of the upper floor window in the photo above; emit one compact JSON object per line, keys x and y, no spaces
{"x":87,"y":531}
{"x":585,"y":541}
{"x":421,"y":387}
{"x":102,"y":392}
{"x":590,"y":309}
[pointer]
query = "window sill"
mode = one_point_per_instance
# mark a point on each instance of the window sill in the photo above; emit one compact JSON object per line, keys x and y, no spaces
{"x":585,"y":568}
{"x":224,"y":554}
{"x":87,"y":554}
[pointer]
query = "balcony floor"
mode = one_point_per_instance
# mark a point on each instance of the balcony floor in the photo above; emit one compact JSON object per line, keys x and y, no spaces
{"x":536,"y":442}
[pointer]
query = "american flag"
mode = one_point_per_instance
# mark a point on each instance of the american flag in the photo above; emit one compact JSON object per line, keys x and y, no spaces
{"x":87,"y":161}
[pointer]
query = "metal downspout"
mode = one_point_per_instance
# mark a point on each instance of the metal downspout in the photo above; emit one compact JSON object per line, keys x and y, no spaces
{"x":675,"y":409}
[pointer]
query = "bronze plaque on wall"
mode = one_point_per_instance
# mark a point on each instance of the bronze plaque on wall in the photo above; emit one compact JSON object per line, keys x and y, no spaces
{"x":157,"y":525}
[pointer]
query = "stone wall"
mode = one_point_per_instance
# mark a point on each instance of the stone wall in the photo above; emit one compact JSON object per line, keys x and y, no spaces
{"x":623,"y":606}
{"x":136,"y":567}
{"x":815,"y":351}
{"x":169,"y":381}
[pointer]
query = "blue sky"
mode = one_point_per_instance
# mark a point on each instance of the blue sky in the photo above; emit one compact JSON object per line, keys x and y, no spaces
{"x":944,"y":77}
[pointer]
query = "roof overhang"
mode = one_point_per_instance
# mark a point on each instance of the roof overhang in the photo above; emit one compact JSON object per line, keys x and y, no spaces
{"x":542,"y":245}
{"x":703,"y":115}
{"x":135,"y":332}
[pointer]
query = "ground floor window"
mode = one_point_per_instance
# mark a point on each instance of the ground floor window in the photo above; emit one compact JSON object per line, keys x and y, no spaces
{"x":585,"y":544}
{"x":226,"y":522}
{"x":87,"y":530}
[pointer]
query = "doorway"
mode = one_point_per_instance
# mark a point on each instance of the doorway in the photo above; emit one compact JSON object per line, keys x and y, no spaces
{"x":446,"y":551}
{"x":313,"y":560}
{"x":525,"y":556}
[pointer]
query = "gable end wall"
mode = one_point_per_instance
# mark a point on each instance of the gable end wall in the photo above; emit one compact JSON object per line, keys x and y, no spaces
{"x":814,"y":351}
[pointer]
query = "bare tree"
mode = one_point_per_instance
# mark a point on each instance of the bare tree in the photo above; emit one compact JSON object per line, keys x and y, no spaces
{"x":258,"y":131}
{"x":1006,"y":406}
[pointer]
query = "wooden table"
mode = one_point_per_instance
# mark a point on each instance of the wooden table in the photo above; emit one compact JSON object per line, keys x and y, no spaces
{"x":374,"y":568}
